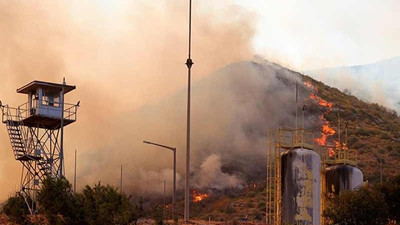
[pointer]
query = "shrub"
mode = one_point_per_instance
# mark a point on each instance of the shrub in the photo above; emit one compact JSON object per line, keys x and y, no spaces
{"x":158,"y":215}
{"x":58,"y":203}
{"x":363,"y":206}
{"x":16,"y":209}
{"x":391,"y":193}
{"x":230,"y":210}
{"x":262,"y":206}
{"x":105,"y":205}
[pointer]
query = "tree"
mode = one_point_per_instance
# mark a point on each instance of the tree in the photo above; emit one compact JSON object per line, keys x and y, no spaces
{"x":138,"y":211}
{"x":58,"y":203}
{"x":16,"y":209}
{"x":391,"y":193}
{"x":365,"y":206}
{"x":158,"y":215}
{"x":105,"y":205}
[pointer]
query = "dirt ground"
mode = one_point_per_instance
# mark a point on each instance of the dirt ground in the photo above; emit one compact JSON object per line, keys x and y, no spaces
{"x":198,"y":222}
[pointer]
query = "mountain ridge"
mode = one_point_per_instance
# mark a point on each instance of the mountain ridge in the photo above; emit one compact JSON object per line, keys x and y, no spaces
{"x":374,"y":82}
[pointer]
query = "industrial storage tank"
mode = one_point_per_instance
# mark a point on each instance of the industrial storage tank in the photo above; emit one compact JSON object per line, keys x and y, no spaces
{"x":301,"y":170}
{"x":342,"y":177}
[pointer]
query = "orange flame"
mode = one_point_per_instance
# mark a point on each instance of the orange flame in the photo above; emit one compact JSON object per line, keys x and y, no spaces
{"x":309,"y":85}
{"x":198,"y":197}
{"x":321,"y":101}
{"x":327,"y":130}
{"x":344,"y":146}
{"x":331,"y":152}
{"x":337,"y":144}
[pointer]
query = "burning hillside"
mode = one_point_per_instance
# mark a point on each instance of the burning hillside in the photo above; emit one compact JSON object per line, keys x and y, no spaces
{"x":243,"y":101}
{"x":327,"y":130}
{"x":321,"y":116}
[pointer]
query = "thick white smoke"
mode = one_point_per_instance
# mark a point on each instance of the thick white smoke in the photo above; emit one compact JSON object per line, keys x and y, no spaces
{"x":211,"y":175}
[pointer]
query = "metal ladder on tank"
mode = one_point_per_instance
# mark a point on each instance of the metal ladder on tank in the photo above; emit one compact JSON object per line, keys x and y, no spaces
{"x":273,"y":215}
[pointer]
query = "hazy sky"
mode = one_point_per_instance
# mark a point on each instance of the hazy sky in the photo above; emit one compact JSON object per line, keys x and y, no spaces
{"x":313,"y":34}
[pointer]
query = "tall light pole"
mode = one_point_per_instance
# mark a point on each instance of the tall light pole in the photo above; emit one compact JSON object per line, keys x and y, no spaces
{"x":120,"y":185}
{"x":189,"y":64}
{"x":62,"y":170}
{"x":174,"y":176}
{"x":164,"y":199}
{"x":75,"y":173}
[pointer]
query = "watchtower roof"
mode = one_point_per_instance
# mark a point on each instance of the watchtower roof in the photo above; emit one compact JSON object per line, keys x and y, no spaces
{"x":32,"y":86}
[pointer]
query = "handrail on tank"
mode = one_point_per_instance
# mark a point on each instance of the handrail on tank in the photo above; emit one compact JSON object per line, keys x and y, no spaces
{"x":343,"y":155}
{"x":294,"y":138}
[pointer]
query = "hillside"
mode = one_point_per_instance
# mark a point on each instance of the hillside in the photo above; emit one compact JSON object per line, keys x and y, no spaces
{"x":373,"y":130}
{"x":374,"y":82}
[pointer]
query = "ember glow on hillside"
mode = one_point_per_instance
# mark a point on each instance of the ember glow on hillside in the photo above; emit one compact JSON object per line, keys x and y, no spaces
{"x":198,"y":197}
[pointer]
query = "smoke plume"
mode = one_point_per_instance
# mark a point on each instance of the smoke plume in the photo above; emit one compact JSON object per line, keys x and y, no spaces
{"x":232,"y":109}
{"x":121,"y":55}
{"x":127,"y":60}
{"x":211,"y":175}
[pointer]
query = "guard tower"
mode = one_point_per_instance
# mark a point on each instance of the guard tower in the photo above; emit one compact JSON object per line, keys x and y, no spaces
{"x":36,"y":131}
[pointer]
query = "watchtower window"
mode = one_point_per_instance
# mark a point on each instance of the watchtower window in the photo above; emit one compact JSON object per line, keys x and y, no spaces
{"x":51,"y":99}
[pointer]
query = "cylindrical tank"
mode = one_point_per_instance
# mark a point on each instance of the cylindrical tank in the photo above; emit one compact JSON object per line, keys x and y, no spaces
{"x":301,"y":170}
{"x":342,"y":177}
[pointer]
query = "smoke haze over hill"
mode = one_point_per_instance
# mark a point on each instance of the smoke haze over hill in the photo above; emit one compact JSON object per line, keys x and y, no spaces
{"x":121,"y":55}
{"x":376,"y":82}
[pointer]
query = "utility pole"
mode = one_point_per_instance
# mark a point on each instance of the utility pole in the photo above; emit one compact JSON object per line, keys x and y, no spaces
{"x":339,"y":131}
{"x":297,"y":93}
{"x":164,"y":202}
{"x":380,"y":165}
{"x":75,"y":174}
{"x":174,"y":188}
{"x":189,"y":64}
{"x":121,"y":181}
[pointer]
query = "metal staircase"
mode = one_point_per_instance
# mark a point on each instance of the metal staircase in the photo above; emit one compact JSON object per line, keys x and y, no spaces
{"x":16,"y":138}
{"x":15,"y":131}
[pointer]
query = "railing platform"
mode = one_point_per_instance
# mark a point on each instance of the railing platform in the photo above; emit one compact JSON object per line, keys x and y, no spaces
{"x":289,"y":138}
{"x":28,"y":157}
{"x":341,"y":156}
{"x":41,"y":115}
{"x":45,"y":122}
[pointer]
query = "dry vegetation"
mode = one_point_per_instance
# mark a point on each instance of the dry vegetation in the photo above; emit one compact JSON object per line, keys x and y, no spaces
{"x":373,"y":130}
